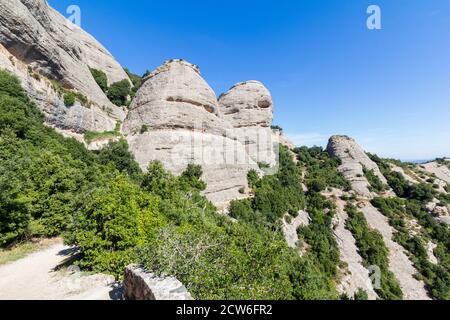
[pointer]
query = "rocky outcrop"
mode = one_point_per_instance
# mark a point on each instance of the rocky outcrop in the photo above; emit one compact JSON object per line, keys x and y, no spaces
{"x":248,"y":107}
{"x":140,"y":285}
{"x":291,"y":225}
{"x":354,"y":276}
{"x":399,"y":263}
{"x":175,"y":119}
{"x":174,"y":97}
{"x":36,"y":36}
{"x":440,"y":170}
{"x":439,"y":210}
{"x":75,"y":119}
{"x":354,"y":160}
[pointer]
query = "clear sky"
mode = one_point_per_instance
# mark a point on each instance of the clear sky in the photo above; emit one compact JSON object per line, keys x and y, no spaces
{"x":328,"y":74}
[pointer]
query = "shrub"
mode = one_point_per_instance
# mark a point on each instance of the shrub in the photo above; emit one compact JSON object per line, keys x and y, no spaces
{"x":190,"y":178}
{"x":112,"y":222}
{"x":118,"y":92}
{"x":361,"y":295}
{"x":101,"y":79}
{"x":144,"y":129}
{"x":136,"y":80}
{"x":321,"y":169}
{"x":375,"y":182}
{"x":69,"y":99}
{"x":117,"y":153}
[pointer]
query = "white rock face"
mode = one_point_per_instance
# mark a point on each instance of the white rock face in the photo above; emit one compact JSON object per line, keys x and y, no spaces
{"x":356,"y":276}
{"x":175,"y":97}
{"x":74,"y":120}
{"x":354,"y":160}
{"x":399,"y":263}
{"x":441,"y":171}
{"x":174,"y":119}
{"x":248,"y":107}
{"x":45,"y":41}
{"x":290,"y":228}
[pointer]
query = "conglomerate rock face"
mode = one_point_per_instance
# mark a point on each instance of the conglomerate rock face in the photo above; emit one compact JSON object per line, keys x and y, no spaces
{"x":248,"y":107}
{"x":40,"y":38}
{"x":72,"y":120}
{"x":354,"y":160}
{"x":173,"y":97}
{"x":175,"y":119}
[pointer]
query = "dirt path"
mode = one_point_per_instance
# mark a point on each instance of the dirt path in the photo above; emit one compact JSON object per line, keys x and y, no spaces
{"x":36,"y":277}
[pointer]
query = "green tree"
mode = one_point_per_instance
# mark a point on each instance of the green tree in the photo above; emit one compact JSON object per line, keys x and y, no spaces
{"x":119,"y":155}
{"x":118,"y":92}
{"x":101,"y":79}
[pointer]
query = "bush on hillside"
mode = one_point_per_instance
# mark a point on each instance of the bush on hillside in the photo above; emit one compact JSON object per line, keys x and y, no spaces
{"x":101,"y":79}
{"x":118,"y":92}
{"x":69,"y":99}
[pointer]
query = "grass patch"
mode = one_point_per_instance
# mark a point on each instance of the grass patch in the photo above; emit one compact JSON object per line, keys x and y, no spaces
{"x":91,"y":136}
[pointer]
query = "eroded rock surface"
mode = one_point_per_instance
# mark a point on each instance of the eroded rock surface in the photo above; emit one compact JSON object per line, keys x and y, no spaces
{"x":290,"y":228}
{"x":399,"y":263}
{"x":355,"y":276}
{"x":36,"y":36}
{"x":441,"y":171}
{"x":248,"y":107}
{"x":354,"y":160}
{"x":174,"y":119}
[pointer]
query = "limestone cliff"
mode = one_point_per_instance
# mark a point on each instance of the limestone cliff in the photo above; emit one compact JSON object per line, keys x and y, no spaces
{"x":354,"y":161}
{"x":34,"y":35}
{"x":175,"y":119}
{"x":248,"y":107}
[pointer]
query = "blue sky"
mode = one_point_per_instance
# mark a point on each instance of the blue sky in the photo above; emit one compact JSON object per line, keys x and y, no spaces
{"x":328,"y":74}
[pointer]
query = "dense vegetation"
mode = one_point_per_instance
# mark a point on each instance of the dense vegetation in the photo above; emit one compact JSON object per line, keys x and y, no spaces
{"x":374,"y":252}
{"x":376,"y":185}
{"x":274,"y":195}
{"x":318,"y":235}
{"x":136,"y":80}
{"x":42,"y":174}
{"x":116,"y":214}
{"x":101,"y":79}
{"x":121,"y":92}
{"x":321,"y":169}
{"x":402,"y":188}
{"x":435,"y":276}
{"x":118,"y":92}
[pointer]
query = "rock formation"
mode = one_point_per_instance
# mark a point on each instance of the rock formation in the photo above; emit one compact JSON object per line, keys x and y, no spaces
{"x":355,"y":275}
{"x":440,"y":170}
{"x":248,"y":107}
{"x":354,"y":160}
{"x":175,"y":119}
{"x":140,"y":285}
{"x":290,"y":228}
{"x":399,"y":263}
{"x":38,"y":42}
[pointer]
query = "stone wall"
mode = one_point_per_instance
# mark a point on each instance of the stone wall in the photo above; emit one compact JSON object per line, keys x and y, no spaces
{"x":142,"y":285}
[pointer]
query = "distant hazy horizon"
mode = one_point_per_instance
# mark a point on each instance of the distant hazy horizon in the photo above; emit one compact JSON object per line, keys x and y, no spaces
{"x":328,"y":73}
